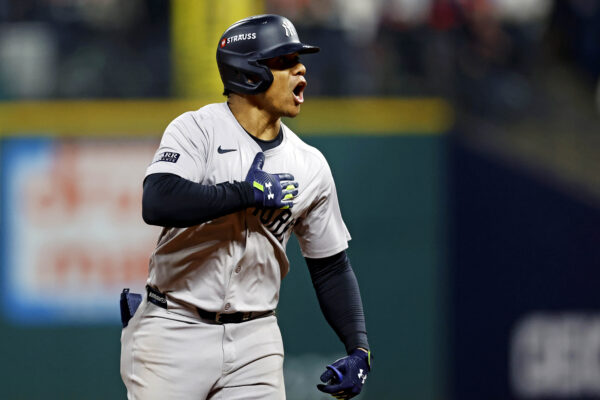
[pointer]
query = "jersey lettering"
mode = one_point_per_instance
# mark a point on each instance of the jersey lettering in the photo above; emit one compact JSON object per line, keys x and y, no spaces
{"x":280,"y":219}
{"x":279,"y":235}
{"x":275,"y":224}
{"x":266,"y":215}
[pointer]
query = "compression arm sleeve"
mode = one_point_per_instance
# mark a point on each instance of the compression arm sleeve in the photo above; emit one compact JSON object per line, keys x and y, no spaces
{"x":339,"y":298}
{"x":172,"y":201}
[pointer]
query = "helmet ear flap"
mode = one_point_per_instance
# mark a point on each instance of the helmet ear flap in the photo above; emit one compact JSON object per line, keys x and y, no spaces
{"x":261,"y":75}
{"x":258,"y":73}
{"x":246,"y":77}
{"x":252,"y":78}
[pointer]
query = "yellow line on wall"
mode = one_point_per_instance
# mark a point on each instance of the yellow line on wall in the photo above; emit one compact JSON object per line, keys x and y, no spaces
{"x":382,"y":116}
{"x":85,"y":118}
{"x":124,"y":118}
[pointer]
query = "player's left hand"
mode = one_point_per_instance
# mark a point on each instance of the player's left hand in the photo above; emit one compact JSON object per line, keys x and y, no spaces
{"x":345,"y":378}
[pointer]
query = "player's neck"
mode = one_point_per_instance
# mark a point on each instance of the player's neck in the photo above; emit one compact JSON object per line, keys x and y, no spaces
{"x":255,"y":120}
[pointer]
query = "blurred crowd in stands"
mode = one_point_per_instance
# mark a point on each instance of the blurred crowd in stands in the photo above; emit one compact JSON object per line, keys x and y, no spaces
{"x":483,"y":54}
{"x":84,"y":48}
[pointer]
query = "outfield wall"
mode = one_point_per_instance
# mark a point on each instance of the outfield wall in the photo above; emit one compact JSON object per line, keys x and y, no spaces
{"x":72,"y":237}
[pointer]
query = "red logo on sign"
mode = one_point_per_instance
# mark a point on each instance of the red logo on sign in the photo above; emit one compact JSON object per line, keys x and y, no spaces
{"x":223,"y":42}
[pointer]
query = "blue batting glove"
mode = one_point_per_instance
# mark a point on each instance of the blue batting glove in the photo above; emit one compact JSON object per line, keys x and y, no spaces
{"x":345,"y":378}
{"x":271,"y":190}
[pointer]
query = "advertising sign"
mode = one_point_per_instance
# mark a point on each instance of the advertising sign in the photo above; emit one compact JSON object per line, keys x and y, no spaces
{"x":72,"y":232}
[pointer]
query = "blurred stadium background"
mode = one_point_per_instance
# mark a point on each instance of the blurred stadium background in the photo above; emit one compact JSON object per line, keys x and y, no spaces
{"x":471,"y":125}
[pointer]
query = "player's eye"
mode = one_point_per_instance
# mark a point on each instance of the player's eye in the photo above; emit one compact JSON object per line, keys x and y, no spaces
{"x":283,"y":62}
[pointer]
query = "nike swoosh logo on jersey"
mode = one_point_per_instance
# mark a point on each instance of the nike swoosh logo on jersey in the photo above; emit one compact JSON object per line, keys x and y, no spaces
{"x":223,"y":151}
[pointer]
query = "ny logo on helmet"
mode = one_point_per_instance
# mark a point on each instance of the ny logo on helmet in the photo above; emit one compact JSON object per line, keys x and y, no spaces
{"x":289,"y":29}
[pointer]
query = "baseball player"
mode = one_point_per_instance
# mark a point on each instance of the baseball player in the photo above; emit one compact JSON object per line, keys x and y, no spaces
{"x":230,"y":183}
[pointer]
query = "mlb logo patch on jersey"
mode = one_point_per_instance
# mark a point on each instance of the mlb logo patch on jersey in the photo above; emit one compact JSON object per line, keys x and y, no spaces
{"x":167,"y":156}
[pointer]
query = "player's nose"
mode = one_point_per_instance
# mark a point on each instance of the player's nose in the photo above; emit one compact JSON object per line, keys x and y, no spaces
{"x":299,"y":69}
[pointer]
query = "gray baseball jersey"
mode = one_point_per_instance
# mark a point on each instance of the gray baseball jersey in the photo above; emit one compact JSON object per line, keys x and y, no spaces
{"x":236,"y":262}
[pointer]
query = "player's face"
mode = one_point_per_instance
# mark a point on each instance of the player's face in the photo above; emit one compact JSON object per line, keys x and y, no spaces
{"x":286,"y":93}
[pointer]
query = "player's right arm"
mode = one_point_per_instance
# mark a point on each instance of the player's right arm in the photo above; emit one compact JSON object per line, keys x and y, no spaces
{"x":173,"y":196}
{"x":170,"y":200}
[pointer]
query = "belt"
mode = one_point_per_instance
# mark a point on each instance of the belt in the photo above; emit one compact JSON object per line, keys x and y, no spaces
{"x":233,"y":318}
{"x":159,"y":299}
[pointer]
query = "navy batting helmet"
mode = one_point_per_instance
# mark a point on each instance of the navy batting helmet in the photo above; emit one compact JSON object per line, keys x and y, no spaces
{"x":248,"y":42}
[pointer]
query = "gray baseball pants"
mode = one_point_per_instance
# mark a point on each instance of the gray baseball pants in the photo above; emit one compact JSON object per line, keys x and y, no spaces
{"x":165,"y":356}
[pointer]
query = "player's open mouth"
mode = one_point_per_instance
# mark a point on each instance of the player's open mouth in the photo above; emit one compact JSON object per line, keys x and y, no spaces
{"x":299,"y":92}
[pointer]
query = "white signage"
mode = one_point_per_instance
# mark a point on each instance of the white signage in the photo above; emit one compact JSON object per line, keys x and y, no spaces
{"x":556,"y":355}
{"x":73,"y":235}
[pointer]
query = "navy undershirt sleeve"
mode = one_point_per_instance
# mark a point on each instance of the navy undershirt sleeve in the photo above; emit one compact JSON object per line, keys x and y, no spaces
{"x":339,"y":297}
{"x":172,"y":201}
